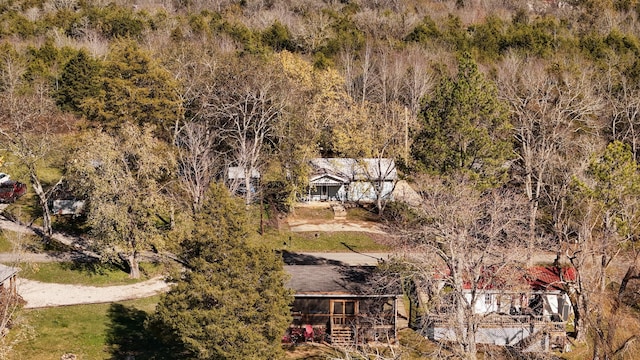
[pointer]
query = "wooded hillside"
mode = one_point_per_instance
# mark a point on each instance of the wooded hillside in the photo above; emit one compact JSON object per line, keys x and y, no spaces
{"x":144,"y":104}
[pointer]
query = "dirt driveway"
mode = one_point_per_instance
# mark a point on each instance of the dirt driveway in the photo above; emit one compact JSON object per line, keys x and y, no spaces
{"x":38,"y":294}
{"x":306,"y":225}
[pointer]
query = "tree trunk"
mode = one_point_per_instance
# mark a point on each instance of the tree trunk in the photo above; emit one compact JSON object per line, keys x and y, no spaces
{"x":42,"y":201}
{"x":461,"y":323}
{"x":579,"y":304}
{"x":531,"y":239}
{"x":472,"y":349}
{"x":247,"y":187}
{"x":134,"y":265}
{"x":464,"y":317}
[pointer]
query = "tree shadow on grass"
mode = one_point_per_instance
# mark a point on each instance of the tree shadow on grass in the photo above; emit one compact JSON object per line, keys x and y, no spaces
{"x":129,"y":337}
{"x":91,"y":266}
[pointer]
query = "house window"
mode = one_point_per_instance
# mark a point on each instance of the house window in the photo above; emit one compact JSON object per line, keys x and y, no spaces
{"x":341,"y":307}
{"x":488,"y":299}
{"x":350,"y":308}
{"x":338,"y":307}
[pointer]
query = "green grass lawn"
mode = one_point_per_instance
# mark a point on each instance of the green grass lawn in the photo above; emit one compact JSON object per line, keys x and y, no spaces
{"x":88,"y":331}
{"x":94,"y":274}
{"x":314,"y":213}
{"x":323,"y":242}
{"x":5,"y":244}
{"x":107,"y":331}
{"x":284,"y":239}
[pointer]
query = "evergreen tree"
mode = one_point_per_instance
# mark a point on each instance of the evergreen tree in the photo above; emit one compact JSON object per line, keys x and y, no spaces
{"x":135,"y":89}
{"x":231,"y":303}
{"x":78,"y":82}
{"x":464,"y":127}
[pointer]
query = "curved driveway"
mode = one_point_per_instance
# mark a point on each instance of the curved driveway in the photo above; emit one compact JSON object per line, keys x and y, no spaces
{"x":38,"y":294}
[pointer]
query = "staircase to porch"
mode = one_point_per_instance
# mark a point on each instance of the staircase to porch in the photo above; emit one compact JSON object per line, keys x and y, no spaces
{"x":339,"y":212}
{"x":547,"y":336}
{"x":342,"y":336}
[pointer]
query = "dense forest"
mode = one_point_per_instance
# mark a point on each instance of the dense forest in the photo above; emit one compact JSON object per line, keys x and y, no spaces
{"x":497,"y":112}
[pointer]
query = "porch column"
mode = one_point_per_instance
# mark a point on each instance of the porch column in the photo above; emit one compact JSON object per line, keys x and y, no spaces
{"x":395,"y":319}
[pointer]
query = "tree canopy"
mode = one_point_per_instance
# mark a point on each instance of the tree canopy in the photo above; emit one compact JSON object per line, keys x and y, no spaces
{"x":465,"y":127}
{"x":122,"y":175}
{"x":231,"y":302}
{"x":78,"y":82}
{"x":134,"y":89}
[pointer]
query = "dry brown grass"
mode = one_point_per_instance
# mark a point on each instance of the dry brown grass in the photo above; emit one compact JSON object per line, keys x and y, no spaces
{"x":627,"y":322}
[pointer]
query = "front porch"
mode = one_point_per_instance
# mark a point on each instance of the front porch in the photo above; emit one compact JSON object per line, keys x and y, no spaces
{"x":539,"y":333}
{"x":344,"y":320}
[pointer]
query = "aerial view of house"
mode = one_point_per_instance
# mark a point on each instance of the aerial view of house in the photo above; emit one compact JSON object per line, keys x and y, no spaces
{"x":346,"y":179}
{"x":532,"y":316}
{"x":338,"y":305}
{"x":459,"y":179}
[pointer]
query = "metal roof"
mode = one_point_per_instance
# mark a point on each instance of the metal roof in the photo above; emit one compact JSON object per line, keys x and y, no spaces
{"x":328,"y":179}
{"x":356,"y":169}
{"x":7,"y":272}
{"x":237,"y":172}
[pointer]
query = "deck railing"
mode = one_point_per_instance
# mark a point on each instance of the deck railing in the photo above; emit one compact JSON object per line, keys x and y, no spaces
{"x":504,"y":320}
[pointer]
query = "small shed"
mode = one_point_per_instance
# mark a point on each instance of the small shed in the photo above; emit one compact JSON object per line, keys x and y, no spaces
{"x":336,"y":304}
{"x":8,"y":276}
{"x":236,"y":180}
{"x":72,"y":207}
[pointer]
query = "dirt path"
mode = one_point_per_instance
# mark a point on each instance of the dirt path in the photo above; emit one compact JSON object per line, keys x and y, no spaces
{"x":299,"y":225}
{"x":38,"y":294}
{"x":77,"y":243}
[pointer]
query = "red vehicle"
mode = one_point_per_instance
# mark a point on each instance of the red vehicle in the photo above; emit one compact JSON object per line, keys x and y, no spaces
{"x":11,"y":190}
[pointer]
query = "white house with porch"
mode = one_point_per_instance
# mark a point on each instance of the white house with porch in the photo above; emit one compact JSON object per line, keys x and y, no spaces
{"x":348,"y":179}
{"x":532,"y":318}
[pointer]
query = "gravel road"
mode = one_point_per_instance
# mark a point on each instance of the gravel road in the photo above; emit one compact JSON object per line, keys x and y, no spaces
{"x":38,"y":294}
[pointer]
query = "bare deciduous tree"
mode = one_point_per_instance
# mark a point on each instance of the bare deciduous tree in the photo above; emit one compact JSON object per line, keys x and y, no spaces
{"x":243,"y":103}
{"x":29,"y":130}
{"x":198,"y":163}
{"x":547,"y":110}
{"x":469,"y":243}
{"x":623,"y":100}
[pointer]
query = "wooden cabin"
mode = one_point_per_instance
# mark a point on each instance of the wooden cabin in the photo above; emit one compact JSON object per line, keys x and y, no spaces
{"x":335,"y":304}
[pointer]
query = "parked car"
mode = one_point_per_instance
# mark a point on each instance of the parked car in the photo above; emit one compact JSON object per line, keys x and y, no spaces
{"x":11,"y":190}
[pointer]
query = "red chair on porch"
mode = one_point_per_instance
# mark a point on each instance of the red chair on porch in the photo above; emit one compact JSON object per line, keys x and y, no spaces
{"x":308,"y":332}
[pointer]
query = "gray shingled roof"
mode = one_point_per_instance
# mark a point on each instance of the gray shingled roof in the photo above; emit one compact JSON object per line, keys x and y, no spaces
{"x":327,"y":279}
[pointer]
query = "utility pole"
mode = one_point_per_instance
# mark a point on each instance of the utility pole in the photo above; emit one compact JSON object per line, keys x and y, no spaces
{"x":406,"y":137}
